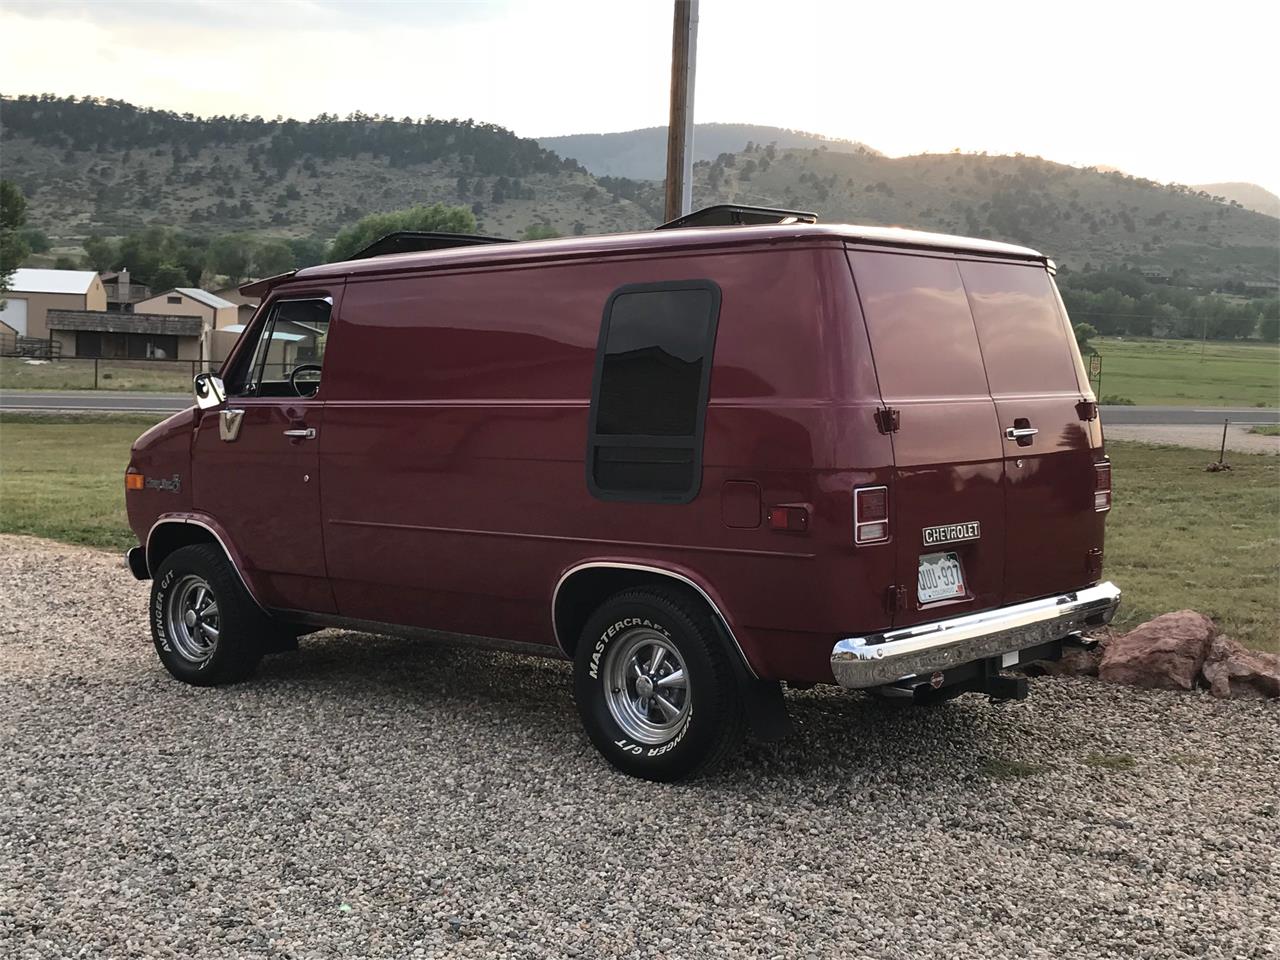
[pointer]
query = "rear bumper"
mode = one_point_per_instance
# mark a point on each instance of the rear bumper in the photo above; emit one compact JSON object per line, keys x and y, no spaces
{"x":881,"y":658}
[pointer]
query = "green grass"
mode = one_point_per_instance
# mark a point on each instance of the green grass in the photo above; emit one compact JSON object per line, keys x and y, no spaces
{"x":1177,"y":536}
{"x":1171,"y":372}
{"x":1267,"y":430}
{"x":63,"y":477}
{"x":161,"y":376}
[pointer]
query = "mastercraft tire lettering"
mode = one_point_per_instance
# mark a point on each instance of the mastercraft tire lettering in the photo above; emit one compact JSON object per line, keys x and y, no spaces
{"x":654,"y":686}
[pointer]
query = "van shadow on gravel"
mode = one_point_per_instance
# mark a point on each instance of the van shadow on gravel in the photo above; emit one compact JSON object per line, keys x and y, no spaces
{"x":838,"y":735}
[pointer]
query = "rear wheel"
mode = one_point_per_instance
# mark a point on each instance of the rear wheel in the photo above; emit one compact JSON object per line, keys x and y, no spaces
{"x":205,"y":626}
{"x":655,"y":687}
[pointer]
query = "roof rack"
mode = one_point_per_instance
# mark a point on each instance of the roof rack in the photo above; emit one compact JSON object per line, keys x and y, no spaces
{"x":416,"y":241}
{"x":734,"y":215}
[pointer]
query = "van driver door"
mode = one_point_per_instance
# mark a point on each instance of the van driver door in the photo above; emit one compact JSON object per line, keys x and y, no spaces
{"x":255,"y":459}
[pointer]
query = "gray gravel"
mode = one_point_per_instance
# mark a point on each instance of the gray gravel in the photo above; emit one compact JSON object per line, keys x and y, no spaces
{"x":380,"y":798}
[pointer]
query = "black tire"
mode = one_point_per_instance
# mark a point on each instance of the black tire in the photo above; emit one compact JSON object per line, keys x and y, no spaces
{"x":190,"y":653}
{"x":681,"y":744}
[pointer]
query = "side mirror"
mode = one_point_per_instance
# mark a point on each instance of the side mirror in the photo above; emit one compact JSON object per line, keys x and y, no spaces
{"x":209,"y":391}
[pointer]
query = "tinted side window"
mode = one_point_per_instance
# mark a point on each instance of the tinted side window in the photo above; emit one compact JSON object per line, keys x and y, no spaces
{"x":653,"y":369}
{"x":288,"y":353}
{"x":1024,"y":339}
{"x":922,"y":334}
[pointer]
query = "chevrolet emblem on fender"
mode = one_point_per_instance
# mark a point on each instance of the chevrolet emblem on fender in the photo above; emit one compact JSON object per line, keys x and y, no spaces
{"x":952,"y":533}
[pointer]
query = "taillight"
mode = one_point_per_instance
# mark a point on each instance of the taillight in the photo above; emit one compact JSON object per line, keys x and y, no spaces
{"x":1102,"y":486}
{"x":870,"y":515}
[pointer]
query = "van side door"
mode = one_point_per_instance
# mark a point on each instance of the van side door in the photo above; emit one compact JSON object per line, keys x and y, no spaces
{"x":255,"y":458}
{"x":946,"y":500}
{"x":1033,"y":368}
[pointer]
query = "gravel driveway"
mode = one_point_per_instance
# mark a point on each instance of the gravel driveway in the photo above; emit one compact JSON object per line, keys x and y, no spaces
{"x":380,"y":798}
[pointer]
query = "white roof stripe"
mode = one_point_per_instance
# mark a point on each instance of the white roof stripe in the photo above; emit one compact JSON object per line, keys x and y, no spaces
{"x":31,"y":280}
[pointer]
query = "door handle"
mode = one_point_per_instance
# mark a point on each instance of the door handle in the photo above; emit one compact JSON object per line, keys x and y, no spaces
{"x":1019,"y":433}
{"x":308,"y":433}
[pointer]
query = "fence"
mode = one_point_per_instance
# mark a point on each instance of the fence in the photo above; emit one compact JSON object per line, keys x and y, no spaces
{"x":26,"y":372}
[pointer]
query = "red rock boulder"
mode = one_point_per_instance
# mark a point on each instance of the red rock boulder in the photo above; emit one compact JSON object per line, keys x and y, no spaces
{"x":1165,"y":653}
{"x":1232,"y":671}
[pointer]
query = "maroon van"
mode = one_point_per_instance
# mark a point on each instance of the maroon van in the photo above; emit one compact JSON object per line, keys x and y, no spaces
{"x":696,"y":461}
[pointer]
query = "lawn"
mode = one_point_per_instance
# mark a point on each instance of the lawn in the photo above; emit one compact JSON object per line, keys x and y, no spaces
{"x":1172,"y":372}
{"x":161,"y":376}
{"x":1177,"y":536}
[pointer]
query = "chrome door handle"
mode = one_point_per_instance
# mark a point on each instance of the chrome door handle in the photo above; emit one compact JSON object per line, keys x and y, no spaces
{"x":308,"y":434}
{"x":1017,"y":433}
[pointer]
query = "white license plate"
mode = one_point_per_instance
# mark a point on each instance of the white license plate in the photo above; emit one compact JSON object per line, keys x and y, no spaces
{"x":940,"y":577}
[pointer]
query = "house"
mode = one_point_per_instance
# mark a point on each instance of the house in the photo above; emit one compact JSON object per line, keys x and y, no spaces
{"x":247,"y":306}
{"x":214,"y":312}
{"x":122,"y":293}
{"x":177,"y":324}
{"x":33,"y":293}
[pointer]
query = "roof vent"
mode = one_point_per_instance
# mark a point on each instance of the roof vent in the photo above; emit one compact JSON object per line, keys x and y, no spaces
{"x":416,"y":241}
{"x":736,"y":215}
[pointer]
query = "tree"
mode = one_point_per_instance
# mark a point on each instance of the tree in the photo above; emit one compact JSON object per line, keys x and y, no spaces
{"x":1085,"y":331}
{"x":13,"y":248}
{"x":230,"y":256}
{"x":102,"y":253}
{"x":167,"y":276}
{"x":308,"y":251}
{"x":376,"y":225}
{"x":36,"y":239}
{"x":541,"y":231}
{"x":273,"y":257}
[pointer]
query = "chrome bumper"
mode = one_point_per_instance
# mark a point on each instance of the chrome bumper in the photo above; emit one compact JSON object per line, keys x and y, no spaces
{"x":888,"y":657}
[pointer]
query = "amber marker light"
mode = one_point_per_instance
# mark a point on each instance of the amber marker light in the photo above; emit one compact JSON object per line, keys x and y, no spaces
{"x":134,"y":481}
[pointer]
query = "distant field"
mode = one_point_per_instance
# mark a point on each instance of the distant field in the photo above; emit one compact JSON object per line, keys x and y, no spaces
{"x":1177,"y":536}
{"x":1171,"y":372}
{"x":161,"y":376}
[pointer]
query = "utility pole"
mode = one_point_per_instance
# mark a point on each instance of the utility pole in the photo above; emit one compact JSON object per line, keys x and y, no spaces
{"x":684,"y":55}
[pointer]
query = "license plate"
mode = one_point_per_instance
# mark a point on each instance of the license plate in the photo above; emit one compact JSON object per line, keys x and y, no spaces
{"x":940,"y":577}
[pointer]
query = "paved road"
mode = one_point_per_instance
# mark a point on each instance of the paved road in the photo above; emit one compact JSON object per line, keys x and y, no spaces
{"x":1147,"y":416}
{"x":118,"y":401}
{"x":114,"y":401}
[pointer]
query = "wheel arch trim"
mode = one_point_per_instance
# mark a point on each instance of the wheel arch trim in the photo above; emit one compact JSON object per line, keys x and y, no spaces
{"x":646,"y":568}
{"x":218,"y":535}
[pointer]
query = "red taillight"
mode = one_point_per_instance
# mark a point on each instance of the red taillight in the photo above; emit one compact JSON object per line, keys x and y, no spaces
{"x":870,"y":515}
{"x":1102,"y":486}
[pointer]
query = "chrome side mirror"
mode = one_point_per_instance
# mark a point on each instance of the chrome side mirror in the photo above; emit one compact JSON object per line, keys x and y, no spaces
{"x":209,"y":391}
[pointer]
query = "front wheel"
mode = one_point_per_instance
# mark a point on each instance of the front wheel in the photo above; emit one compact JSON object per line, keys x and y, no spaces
{"x":205,"y":626}
{"x":655,"y":687}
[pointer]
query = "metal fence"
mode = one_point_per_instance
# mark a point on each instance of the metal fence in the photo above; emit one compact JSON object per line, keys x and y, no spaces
{"x":52,"y":372}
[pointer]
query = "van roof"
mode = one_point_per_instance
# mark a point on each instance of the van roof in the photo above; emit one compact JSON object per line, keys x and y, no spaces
{"x":693,"y":237}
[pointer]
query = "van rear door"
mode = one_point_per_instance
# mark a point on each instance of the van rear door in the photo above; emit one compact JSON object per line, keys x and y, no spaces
{"x":1053,"y":536}
{"x":946,"y":502}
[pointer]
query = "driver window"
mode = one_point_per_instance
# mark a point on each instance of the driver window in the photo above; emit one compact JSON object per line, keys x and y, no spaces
{"x":289,"y":356}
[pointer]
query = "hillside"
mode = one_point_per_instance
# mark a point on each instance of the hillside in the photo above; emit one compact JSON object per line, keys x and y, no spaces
{"x":111,"y":168}
{"x":642,"y":154}
{"x":1079,"y":217}
{"x":1248,"y":195}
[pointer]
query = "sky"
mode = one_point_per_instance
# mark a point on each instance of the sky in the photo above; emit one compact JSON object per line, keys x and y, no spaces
{"x":1175,"y":92}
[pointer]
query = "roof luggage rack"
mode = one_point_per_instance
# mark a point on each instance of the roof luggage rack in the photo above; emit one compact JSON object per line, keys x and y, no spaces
{"x":735,"y":215}
{"x":416,"y":241}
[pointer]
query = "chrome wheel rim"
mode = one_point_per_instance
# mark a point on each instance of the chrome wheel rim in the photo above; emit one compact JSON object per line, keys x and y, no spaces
{"x":192,"y":619}
{"x":648,"y":687}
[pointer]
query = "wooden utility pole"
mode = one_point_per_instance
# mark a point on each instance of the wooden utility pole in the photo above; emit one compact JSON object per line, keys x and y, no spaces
{"x":684,"y":54}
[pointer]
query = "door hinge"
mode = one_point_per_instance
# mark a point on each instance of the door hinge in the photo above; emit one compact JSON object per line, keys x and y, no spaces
{"x":1087,"y":410}
{"x":895,"y":598}
{"x":887,"y":420}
